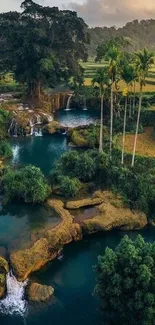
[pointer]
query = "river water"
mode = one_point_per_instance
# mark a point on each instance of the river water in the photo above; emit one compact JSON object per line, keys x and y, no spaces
{"x":73,"y":277}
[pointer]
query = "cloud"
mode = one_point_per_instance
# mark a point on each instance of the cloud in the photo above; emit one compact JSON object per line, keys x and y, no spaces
{"x":114,"y":12}
{"x":9,"y":5}
{"x":97,"y":12}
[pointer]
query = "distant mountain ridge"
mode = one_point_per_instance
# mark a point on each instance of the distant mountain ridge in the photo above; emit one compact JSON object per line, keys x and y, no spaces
{"x":140,"y":33}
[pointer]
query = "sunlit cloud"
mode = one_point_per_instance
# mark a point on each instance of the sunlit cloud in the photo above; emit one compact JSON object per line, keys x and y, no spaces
{"x":97,"y":12}
{"x":114,"y":12}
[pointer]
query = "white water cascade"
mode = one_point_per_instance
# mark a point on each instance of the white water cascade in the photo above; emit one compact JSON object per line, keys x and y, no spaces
{"x":14,"y":302}
{"x":38,"y":119}
{"x":50,"y":118}
{"x":38,"y":132}
{"x":68,"y":103}
{"x":85,"y":105}
{"x":15,"y":130}
{"x":32,"y":127}
{"x":11,"y":126}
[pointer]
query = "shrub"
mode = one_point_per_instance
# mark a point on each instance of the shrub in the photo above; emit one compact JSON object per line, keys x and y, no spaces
{"x":85,"y":167}
{"x":5,"y":149}
{"x":5,"y":120}
{"x":69,"y":186}
{"x":27,"y":184}
{"x":126,"y":282}
{"x":67,"y":163}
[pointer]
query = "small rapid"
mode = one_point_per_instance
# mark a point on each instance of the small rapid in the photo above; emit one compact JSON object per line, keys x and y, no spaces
{"x":14,"y":303}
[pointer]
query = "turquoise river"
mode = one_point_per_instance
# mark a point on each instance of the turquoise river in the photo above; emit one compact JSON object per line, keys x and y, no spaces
{"x":73,"y":277}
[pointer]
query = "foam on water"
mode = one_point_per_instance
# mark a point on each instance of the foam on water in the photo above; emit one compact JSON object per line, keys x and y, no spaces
{"x":14,"y":303}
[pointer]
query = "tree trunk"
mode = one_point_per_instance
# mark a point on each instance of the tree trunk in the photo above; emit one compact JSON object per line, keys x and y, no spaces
{"x":38,"y":89}
{"x":111,"y":121}
{"x":124,"y":129}
{"x":101,"y":127}
{"x":134,"y":97}
{"x":137,"y":127}
{"x":130,"y":102}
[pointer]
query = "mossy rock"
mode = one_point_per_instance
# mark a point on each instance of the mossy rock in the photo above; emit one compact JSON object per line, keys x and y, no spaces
{"x":2,"y":285}
{"x":38,"y":293}
{"x":72,"y":205}
{"x":4,"y":267}
{"x":52,"y":127}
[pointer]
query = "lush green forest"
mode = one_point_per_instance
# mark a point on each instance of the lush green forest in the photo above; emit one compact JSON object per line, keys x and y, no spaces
{"x":140,"y":34}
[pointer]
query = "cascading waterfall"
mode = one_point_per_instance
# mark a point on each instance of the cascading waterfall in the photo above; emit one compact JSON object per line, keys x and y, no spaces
{"x":85,"y":104}
{"x":11,"y":126}
{"x":15,"y":130}
{"x":68,"y":103}
{"x":14,"y":302}
{"x":49,"y":117}
{"x":38,"y":132}
{"x":38,"y":119}
{"x":32,"y":127}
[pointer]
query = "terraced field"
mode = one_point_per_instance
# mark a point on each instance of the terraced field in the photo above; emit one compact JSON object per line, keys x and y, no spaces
{"x":90,"y":68}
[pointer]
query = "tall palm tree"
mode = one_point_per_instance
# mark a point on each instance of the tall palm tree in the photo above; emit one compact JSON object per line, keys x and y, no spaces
{"x":102,"y":80}
{"x":143,"y":63}
{"x":114,"y":55}
{"x":128,"y":75}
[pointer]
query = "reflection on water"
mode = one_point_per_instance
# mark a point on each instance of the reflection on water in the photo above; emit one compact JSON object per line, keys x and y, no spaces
{"x":21,"y":224}
{"x":15,"y":155}
{"x":84,"y":213}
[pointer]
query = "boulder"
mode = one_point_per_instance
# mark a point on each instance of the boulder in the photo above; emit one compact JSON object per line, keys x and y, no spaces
{"x":71,"y":205}
{"x":38,"y":293}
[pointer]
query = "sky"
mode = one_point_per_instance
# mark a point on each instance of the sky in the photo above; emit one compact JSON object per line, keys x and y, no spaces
{"x":97,"y":12}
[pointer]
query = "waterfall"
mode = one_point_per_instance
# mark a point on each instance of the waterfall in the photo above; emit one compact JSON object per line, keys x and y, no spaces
{"x":50,"y":118}
{"x":38,"y":132}
{"x":15,"y":130}
{"x":32,"y":127}
{"x":68,"y":103}
{"x":38,"y":119}
{"x":85,"y":104}
{"x":11,"y":126}
{"x":14,"y":302}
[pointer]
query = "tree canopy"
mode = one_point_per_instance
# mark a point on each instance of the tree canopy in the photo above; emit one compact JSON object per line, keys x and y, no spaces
{"x":126,"y":282}
{"x":27,"y":184}
{"x":42,"y":45}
